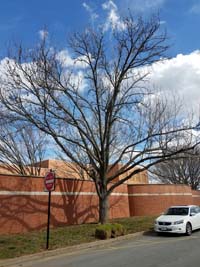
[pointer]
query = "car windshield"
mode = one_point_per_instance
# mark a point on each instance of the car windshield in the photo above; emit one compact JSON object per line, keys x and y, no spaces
{"x":177,"y":211}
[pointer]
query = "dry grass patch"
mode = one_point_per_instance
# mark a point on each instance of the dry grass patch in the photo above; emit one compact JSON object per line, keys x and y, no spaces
{"x":21,"y":244}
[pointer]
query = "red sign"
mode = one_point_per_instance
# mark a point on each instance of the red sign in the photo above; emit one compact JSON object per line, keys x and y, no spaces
{"x":49,"y":181}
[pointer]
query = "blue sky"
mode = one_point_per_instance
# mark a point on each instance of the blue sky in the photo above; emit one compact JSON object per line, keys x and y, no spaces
{"x":21,"y":20}
{"x":24,"y":21}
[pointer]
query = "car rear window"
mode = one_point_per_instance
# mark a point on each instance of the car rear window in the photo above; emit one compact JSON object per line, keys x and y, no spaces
{"x":177,"y":211}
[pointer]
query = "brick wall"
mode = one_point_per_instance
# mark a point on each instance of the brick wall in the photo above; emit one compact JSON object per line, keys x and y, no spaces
{"x":153,"y":199}
{"x":23,"y":203}
{"x":196,"y":197}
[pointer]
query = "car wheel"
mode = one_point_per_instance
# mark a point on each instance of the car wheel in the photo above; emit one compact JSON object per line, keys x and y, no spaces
{"x":188,"y":230}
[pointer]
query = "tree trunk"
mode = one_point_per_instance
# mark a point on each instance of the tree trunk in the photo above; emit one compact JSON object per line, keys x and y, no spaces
{"x":103,"y":209}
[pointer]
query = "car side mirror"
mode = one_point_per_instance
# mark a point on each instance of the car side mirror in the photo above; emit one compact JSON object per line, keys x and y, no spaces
{"x":192,"y":214}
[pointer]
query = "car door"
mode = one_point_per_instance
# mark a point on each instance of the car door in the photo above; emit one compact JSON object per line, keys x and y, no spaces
{"x":194,"y":217}
{"x":198,"y":216}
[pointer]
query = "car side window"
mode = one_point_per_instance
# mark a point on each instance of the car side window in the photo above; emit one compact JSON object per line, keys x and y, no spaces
{"x":193,"y":210}
{"x":197,"y":209}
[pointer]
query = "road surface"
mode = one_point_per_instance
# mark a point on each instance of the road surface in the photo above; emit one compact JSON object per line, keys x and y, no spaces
{"x":142,"y":251}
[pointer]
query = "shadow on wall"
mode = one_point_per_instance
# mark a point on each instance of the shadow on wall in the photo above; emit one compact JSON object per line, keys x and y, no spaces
{"x":77,"y":203}
{"x":73,"y":202}
{"x":27,"y":211}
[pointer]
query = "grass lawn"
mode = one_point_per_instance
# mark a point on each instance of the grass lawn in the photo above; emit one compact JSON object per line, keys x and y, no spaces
{"x":21,"y":244}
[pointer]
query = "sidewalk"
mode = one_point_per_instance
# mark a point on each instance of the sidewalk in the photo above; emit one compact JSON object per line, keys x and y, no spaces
{"x":17,"y":262}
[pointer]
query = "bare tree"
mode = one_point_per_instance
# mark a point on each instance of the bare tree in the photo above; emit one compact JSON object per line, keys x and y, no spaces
{"x":183,"y":169}
{"x":98,"y":110}
{"x":21,"y":147}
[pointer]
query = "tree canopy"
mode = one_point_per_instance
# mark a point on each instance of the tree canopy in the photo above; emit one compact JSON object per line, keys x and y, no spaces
{"x":184,"y":168}
{"x":97,"y":105}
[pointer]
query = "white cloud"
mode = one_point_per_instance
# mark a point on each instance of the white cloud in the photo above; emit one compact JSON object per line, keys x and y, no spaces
{"x":78,"y":80}
{"x":43,"y":34}
{"x":65,"y":58}
{"x":180,"y":75}
{"x":78,"y":64}
{"x":113,"y":20}
{"x":109,"y":5}
{"x":93,"y":15}
{"x":67,"y":61}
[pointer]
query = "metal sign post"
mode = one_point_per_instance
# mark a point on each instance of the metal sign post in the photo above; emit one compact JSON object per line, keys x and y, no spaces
{"x":48,"y":219}
{"x":49,"y":183}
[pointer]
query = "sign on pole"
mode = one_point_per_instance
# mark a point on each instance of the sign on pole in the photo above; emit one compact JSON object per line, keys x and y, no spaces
{"x":49,"y":181}
{"x":49,"y":184}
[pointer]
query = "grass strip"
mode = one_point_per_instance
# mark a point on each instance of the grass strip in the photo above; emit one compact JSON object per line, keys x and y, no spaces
{"x":29,"y":243}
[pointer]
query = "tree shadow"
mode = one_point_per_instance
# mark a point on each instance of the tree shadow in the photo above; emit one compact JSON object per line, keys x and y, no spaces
{"x":26,"y":212}
{"x":78,"y":204}
{"x":24,"y":204}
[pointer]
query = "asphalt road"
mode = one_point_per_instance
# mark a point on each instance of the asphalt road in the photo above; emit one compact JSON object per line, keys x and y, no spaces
{"x":142,"y":251}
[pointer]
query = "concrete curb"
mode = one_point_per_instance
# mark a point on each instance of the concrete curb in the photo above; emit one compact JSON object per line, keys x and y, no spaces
{"x":66,"y":250}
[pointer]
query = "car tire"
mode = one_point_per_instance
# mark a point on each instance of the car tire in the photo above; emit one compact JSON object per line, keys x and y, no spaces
{"x":188,"y":230}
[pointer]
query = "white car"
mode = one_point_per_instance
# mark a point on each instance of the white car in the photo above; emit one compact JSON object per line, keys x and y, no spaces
{"x":178,"y":219}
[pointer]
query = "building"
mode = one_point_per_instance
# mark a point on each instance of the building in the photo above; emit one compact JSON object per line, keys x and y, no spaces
{"x":73,"y":171}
